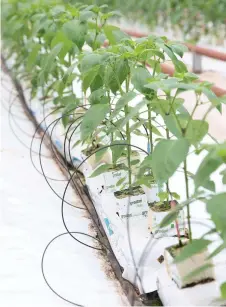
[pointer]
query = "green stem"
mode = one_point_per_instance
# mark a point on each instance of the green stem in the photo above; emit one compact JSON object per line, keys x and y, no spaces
{"x":169,"y":193}
{"x":150,"y":129}
{"x":167,"y":182}
{"x":128,"y":137}
{"x":187,"y":196}
{"x":112,"y":134}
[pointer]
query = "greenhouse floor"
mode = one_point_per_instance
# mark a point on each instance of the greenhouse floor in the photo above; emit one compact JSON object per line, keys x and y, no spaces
{"x":30,"y":218}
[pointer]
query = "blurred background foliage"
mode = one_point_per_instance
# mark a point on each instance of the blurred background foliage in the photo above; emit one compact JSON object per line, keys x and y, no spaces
{"x":194,"y":18}
{"x":191,"y":19}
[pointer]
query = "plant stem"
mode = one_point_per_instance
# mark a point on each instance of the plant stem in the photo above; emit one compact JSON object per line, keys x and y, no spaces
{"x":112,"y":134}
{"x":187,"y":196}
{"x":150,"y":129}
{"x":173,"y":205}
{"x":128,"y":137}
{"x":167,"y":182}
{"x":186,"y":171}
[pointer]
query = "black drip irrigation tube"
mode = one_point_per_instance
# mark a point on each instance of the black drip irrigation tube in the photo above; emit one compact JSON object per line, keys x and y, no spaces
{"x":134,"y":298}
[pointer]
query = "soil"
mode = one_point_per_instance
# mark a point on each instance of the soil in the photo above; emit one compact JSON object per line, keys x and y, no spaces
{"x":151,"y":299}
{"x":133,"y":154}
{"x":127,"y":192}
{"x":89,"y":151}
{"x":204,"y":281}
{"x":117,"y":167}
{"x":172,"y":249}
{"x":160,"y":206}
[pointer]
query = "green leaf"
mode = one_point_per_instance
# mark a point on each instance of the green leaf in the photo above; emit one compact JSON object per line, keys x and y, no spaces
{"x":32,"y":58}
{"x":85,"y":15}
{"x":89,"y":61}
{"x":221,"y":151}
{"x":50,"y":59}
{"x":196,"y":131}
{"x":192,"y":249}
{"x":67,"y":44}
{"x":97,"y":84}
{"x":147,"y":180}
{"x":223,"y":173}
{"x":97,"y":96}
{"x":179,"y":65}
{"x":223,"y":290}
{"x":117,"y":150}
{"x":140,"y":77}
{"x":70,"y":107}
{"x":92,"y":119}
{"x":172,"y":125}
{"x":147,"y":161}
{"x":216,"y":208}
{"x":116,"y":73}
{"x":175,"y":195}
{"x":209,"y":165}
{"x":89,"y":77}
{"x":155,"y":130}
{"x":76,"y":32}
{"x":120,"y":181}
{"x":179,"y":49}
{"x":68,"y":100}
{"x":135,"y":162}
{"x":209,"y":94}
{"x":169,"y":218}
{"x":100,"y":170}
{"x":209,"y":185}
{"x":167,"y":156}
{"x":65,"y":120}
{"x":99,"y":154}
{"x":114,"y":34}
{"x":217,"y":250}
{"x":122,"y":102}
{"x":162,"y":195}
{"x":137,"y":124}
{"x":76,"y":143}
{"x":133,"y":112}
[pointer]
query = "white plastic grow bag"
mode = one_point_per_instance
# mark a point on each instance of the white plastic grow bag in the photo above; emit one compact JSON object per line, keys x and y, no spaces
{"x":155,"y":218}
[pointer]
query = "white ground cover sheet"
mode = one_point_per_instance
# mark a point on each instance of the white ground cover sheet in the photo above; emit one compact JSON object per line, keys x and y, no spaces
{"x":30,"y":217}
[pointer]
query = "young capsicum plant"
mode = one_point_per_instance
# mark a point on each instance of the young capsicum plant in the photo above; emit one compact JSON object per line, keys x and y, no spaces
{"x":120,"y":63}
{"x":183,"y":133}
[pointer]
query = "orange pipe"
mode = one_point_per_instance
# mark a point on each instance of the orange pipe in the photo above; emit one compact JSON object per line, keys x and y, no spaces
{"x":217,"y":55}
